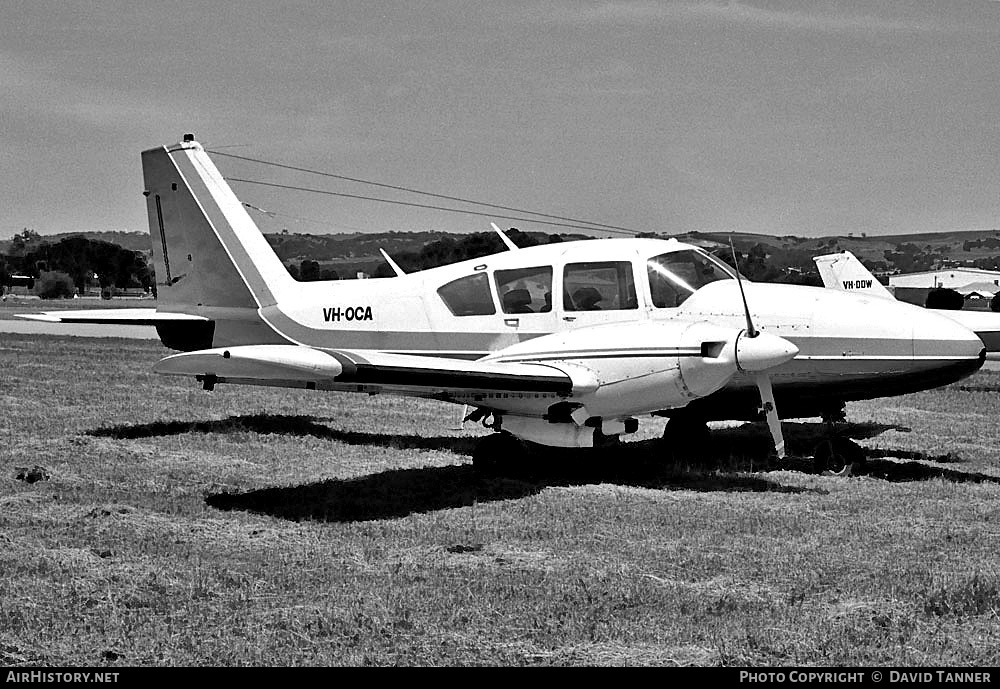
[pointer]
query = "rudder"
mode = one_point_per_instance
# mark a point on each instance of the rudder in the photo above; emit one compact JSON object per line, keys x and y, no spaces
{"x":207,"y":251}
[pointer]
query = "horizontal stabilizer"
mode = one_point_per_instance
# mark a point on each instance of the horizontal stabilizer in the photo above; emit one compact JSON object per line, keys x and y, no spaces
{"x":111,"y":316}
{"x":291,"y":364}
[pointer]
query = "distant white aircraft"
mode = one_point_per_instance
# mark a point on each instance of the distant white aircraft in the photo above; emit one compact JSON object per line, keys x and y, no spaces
{"x":562,"y":345}
{"x":843,"y":271}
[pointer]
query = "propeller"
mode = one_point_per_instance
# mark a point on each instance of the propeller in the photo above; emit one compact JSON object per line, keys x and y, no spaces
{"x":758,"y":352}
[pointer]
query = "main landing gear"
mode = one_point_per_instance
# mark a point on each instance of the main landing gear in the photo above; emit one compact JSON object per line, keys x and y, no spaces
{"x":687,"y":437}
{"x":497,"y":454}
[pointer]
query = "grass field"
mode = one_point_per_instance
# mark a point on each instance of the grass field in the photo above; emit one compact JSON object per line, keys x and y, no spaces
{"x":251,"y":526}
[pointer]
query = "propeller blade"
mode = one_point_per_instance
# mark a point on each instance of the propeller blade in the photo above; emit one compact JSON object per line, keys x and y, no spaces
{"x":771,"y":411}
{"x":758,"y":352}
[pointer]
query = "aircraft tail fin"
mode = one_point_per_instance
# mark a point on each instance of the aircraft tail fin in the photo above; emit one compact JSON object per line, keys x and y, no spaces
{"x":207,"y":251}
{"x":846,"y":273}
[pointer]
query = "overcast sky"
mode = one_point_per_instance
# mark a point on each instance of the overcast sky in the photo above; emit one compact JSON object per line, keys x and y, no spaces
{"x":788,"y":118}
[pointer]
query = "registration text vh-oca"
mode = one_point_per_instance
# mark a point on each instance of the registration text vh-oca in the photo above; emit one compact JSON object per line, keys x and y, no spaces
{"x":351,"y":313}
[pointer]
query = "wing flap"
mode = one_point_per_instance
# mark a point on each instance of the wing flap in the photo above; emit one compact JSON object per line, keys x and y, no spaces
{"x":304,"y":365}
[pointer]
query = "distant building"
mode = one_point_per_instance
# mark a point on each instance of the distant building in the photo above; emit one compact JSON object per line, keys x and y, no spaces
{"x":983,"y":289}
{"x":20,"y":284}
{"x":963,"y":280}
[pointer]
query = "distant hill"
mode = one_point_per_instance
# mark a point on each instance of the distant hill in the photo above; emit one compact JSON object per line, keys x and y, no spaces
{"x":958,"y":246}
{"x":347,"y":253}
{"x":291,"y":247}
{"x":350,"y":246}
{"x":352,"y":252}
{"x":882,"y":254}
{"x":356,"y":245}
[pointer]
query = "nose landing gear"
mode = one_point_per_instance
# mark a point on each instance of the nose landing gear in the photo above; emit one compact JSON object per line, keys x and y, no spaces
{"x":836,"y":454}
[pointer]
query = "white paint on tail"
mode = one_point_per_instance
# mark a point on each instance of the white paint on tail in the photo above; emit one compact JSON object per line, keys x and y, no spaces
{"x":846,"y":273}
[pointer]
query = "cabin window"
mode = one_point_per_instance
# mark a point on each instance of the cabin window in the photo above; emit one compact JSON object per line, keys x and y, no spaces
{"x":676,"y":276}
{"x":599,"y":286}
{"x":469,"y":296}
{"x":525,"y":290}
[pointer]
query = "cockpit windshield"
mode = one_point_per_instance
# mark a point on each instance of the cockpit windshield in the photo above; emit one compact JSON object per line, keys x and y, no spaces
{"x":676,"y":276}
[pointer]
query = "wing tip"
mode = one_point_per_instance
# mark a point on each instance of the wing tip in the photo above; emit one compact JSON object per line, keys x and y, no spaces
{"x":44,"y":317}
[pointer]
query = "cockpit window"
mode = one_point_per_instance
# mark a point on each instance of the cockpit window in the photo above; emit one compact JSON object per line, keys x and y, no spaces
{"x":603,"y":286}
{"x":676,"y":276}
{"x":469,"y":296}
{"x":525,"y":290}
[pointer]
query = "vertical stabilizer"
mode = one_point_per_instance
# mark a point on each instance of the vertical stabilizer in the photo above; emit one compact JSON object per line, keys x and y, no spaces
{"x":846,"y":273}
{"x":207,"y":250}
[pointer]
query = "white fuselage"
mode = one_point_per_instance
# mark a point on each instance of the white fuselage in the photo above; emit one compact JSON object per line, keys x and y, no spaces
{"x":850,"y":346}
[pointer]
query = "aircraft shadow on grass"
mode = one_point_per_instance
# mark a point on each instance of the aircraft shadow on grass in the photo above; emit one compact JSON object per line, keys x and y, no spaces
{"x":736,"y":446}
{"x":979,"y":388}
{"x":401,"y":492}
{"x":734,"y":455}
{"x":901,"y":472}
{"x":733,"y":461}
{"x":285,"y":424}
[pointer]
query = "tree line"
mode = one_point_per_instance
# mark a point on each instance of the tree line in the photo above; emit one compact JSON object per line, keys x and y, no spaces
{"x":756,"y":262}
{"x":73,"y":264}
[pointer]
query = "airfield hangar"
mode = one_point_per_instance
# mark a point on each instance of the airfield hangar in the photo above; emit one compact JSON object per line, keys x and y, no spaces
{"x":975,"y":284}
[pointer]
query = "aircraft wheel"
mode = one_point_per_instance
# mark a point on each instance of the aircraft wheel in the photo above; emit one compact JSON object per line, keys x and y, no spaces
{"x":496,"y":454}
{"x":839,"y":457}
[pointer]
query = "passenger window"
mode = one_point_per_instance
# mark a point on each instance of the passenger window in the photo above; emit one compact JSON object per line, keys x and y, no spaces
{"x":469,"y":296}
{"x":605,"y":286}
{"x":525,"y":290}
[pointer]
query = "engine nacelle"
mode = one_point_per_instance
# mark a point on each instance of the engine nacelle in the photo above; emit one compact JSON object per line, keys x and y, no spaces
{"x":635,"y":368}
{"x":549,"y":434}
{"x":567,"y":433}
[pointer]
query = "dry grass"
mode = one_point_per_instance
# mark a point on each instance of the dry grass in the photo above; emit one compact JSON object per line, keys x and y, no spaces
{"x":269,"y":527}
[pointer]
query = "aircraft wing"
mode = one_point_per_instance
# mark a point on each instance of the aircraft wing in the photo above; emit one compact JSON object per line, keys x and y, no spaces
{"x":111,"y":316}
{"x":340,"y":369}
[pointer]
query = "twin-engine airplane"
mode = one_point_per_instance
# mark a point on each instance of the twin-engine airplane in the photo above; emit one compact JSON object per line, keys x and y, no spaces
{"x":561,"y":345}
{"x":843,"y":271}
